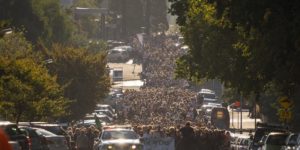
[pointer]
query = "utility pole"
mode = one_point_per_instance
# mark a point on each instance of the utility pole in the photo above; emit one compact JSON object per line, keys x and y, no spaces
{"x":241,"y":112}
{"x":255,"y":110}
{"x":124,"y":17}
{"x":147,"y":16}
{"x":232,"y":123}
{"x":103,"y":26}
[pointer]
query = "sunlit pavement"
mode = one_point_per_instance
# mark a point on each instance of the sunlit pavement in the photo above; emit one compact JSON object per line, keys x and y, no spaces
{"x":235,"y":117}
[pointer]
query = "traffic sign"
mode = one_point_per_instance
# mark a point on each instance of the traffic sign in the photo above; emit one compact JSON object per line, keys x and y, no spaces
{"x":285,"y":102}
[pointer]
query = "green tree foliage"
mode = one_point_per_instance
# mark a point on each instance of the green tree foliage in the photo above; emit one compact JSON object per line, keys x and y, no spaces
{"x":43,"y":20}
{"x":245,"y":43}
{"x":251,"y":45}
{"x":85,"y":3}
{"x":27,"y":91}
{"x":158,"y":15}
{"x":151,"y":14}
{"x":83,"y":74}
{"x":88,"y":24}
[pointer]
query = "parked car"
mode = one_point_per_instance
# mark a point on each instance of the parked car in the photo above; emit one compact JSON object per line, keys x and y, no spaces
{"x":102,"y":118}
{"x":54,"y":142}
{"x":261,"y":142}
{"x":38,"y":142}
{"x":118,"y":54}
{"x":244,"y":144}
{"x":15,"y":145}
{"x":291,"y":142}
{"x":240,"y":142}
{"x":14,"y":134}
{"x":104,"y":107}
{"x":275,"y":141}
{"x":298,"y":143}
{"x":52,"y":127}
{"x":106,"y":112}
{"x":264,"y":129}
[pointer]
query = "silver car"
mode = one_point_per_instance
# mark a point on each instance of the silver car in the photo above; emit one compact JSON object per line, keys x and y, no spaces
{"x":119,"y":139}
{"x":291,"y":142}
{"x":54,"y":142}
{"x":275,"y":141}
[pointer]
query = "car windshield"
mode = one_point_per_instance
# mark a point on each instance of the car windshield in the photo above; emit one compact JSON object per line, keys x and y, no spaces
{"x":260,"y":132}
{"x":293,"y":139}
{"x":210,"y":96}
{"x":109,"y":135}
{"x":54,"y":129}
{"x":44,"y":132}
{"x":12,"y":130}
{"x":277,"y":139}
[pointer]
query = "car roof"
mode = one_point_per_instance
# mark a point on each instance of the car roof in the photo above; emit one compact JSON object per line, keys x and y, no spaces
{"x":208,"y":91}
{"x":48,"y":125}
{"x":31,"y":123}
{"x":103,"y":105}
{"x":118,"y":127}
{"x":278,"y":133}
{"x":5,"y":123}
{"x":95,"y":115}
{"x":106,"y":110}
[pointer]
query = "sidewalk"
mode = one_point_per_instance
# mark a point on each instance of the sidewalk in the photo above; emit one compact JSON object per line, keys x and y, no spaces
{"x":247,"y":123}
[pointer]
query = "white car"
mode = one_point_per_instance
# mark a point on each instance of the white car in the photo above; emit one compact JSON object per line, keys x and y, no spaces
{"x":120,"y":139}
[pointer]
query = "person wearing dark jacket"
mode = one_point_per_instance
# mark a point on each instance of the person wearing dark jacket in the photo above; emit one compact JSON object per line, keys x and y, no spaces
{"x":82,"y":140}
{"x":188,"y":138}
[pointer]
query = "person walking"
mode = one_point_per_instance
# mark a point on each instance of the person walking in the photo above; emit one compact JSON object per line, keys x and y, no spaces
{"x":188,"y":141}
{"x":82,"y":140}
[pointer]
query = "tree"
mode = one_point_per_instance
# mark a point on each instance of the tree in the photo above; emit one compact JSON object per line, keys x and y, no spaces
{"x":27,"y":91}
{"x":83,"y":74}
{"x":88,"y":24}
{"x":217,"y":51}
{"x":158,"y":15}
{"x":257,"y":36}
{"x":249,"y":45}
{"x":151,"y":14}
{"x":42,"y":20}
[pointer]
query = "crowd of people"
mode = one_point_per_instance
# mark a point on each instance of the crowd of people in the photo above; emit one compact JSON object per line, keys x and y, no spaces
{"x":190,"y":136}
{"x":82,"y":138}
{"x":164,"y":107}
{"x":159,"y":106}
{"x":163,"y":99}
{"x":165,"y":104}
{"x":158,"y":56}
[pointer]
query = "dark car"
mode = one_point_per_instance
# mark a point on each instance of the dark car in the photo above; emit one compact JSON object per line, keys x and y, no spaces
{"x":291,"y":141}
{"x":54,"y":142}
{"x":220,"y":117}
{"x":264,"y":129}
{"x":52,"y":127}
{"x":37,"y":142}
{"x":15,"y":134}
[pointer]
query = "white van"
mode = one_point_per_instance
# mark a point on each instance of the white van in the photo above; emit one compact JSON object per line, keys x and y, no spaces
{"x":206,"y":96}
